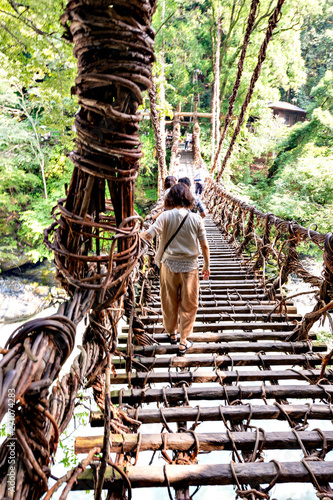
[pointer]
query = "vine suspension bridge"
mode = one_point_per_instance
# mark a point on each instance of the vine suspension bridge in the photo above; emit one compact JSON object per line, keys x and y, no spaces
{"x":247,"y":366}
{"x":255,"y":359}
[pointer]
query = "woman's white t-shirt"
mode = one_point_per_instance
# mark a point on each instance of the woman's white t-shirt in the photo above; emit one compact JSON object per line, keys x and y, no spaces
{"x":184,"y":248}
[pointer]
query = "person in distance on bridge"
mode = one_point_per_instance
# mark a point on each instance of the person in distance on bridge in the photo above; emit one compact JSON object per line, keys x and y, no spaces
{"x":199,"y":180}
{"x":187,"y":140}
{"x":197,"y":205}
{"x":182,"y":234}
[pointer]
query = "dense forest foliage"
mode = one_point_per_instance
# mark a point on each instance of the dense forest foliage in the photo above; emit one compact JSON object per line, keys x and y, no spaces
{"x":286,"y":170}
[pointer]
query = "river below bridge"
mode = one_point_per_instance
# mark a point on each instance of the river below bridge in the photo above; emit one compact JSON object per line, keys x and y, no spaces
{"x":28,"y":290}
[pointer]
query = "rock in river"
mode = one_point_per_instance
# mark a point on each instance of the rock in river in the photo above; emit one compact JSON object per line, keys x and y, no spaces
{"x":26,"y":295}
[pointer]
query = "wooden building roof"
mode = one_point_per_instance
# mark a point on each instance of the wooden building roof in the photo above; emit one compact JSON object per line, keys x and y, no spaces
{"x":286,"y":106}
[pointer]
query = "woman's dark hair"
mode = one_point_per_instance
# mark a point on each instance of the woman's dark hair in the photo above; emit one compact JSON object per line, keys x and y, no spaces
{"x":169,"y":181}
{"x":186,"y":181}
{"x":179,"y":196}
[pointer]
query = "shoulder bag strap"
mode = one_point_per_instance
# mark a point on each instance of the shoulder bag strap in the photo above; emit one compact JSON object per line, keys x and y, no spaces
{"x":175,"y":233}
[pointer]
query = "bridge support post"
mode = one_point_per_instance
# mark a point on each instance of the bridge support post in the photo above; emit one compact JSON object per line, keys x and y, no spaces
{"x":175,"y":141}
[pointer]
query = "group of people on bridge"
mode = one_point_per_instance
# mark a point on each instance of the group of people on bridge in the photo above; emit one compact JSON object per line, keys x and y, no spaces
{"x":188,"y":139}
{"x":180,"y":228}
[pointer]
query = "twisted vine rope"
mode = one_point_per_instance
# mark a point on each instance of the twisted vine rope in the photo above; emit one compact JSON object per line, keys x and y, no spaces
{"x":272,"y":23}
{"x":94,"y":239}
{"x":231,"y":214}
{"x":232,"y":99}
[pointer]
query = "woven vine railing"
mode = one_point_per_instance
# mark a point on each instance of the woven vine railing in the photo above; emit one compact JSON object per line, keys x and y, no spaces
{"x":274,"y":242}
{"x":96,"y":246}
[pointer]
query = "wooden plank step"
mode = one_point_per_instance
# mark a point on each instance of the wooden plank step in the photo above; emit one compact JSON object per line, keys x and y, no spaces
{"x":218,"y":239}
{"x":241,"y":292}
{"x":226,"y":347}
{"x":226,"y":325}
{"x":223,"y":251}
{"x":235,"y":301}
{"x":261,"y":360}
{"x":163,"y":338}
{"x":184,"y":441}
{"x":218,"y":251}
{"x":217,"y":265}
{"x":218,"y":392}
{"x":227,"y":377}
{"x":224,"y":269}
{"x":236,"y":309}
{"x":195,"y":475}
{"x":221,"y":316}
{"x":230,"y":413}
{"x":226,"y":257}
{"x":222,"y":266}
{"x":238,"y":275}
{"x":224,"y":295}
{"x":233,"y":288}
{"x":230,"y":278}
{"x":232,"y":283}
{"x":225,"y":254}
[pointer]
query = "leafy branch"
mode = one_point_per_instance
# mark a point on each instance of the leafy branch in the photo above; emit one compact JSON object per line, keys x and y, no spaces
{"x":34,"y":140}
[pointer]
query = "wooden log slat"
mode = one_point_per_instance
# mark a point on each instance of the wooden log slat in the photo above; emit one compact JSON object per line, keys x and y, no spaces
{"x":261,"y":360}
{"x":230,"y":275}
{"x":218,"y":266}
{"x":226,"y":325}
{"x":218,"y":392}
{"x":240,"y":273}
{"x":216,"y":300}
{"x":255,"y":297}
{"x":227,"y":377}
{"x":213,"y":307}
{"x":230,"y":413}
{"x":249,"y":284}
{"x":221,"y":282}
{"x":196,"y":475}
{"x":225,"y":317}
{"x":163,"y":338}
{"x":183,"y":441}
{"x":225,"y":347}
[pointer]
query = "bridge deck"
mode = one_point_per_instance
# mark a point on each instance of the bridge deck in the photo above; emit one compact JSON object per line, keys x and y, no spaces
{"x":242,"y":376}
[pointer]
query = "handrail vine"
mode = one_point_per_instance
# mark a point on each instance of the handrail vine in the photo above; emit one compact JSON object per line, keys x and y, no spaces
{"x":277,"y":239}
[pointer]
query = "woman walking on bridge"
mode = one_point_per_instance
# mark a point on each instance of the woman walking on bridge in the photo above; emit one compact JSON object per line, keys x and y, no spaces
{"x":182,"y":234}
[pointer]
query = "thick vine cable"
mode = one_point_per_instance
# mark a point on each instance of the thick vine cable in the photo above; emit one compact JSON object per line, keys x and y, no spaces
{"x":272,"y":23}
{"x":95,"y":240}
{"x":232,"y":99}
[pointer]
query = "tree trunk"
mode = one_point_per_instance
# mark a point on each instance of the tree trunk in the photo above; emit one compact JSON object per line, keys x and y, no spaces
{"x":197,"y":158}
{"x":162,"y":91}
